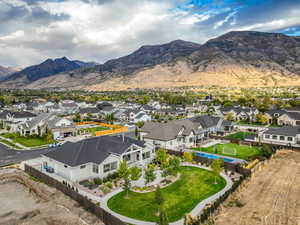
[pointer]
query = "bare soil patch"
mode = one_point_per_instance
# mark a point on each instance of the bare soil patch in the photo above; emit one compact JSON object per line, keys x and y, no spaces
{"x":27,"y":202}
{"x":272,"y":197}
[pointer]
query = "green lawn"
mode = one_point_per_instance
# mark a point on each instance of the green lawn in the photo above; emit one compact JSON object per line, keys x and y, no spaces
{"x":31,"y":141}
{"x":242,"y":151}
{"x":239,"y":135}
{"x":181,"y":197}
{"x":9,"y":144}
{"x":92,"y":130}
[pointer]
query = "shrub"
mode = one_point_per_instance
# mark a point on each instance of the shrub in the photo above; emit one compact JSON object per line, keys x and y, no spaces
{"x":104,"y":189}
{"x":109,"y":185}
{"x":98,"y":181}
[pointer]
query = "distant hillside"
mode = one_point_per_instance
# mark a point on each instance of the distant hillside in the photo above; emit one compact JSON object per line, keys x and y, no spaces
{"x":5,"y":71}
{"x":238,"y":58}
{"x":47,"y":68}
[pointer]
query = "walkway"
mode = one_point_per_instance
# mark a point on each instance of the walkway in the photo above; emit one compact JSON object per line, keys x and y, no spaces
{"x":196,"y":211}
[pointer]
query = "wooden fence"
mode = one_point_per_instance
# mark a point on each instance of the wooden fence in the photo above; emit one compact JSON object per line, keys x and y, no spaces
{"x":86,"y":203}
{"x":114,"y":129}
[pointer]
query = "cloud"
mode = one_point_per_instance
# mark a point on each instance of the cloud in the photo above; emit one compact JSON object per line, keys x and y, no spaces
{"x":98,"y":30}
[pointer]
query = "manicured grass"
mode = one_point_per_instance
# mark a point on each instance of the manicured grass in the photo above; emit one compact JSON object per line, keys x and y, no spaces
{"x":92,"y":130}
{"x":181,"y":197}
{"x":31,"y":141}
{"x":242,"y":151}
{"x":239,"y":135}
{"x":9,"y":144}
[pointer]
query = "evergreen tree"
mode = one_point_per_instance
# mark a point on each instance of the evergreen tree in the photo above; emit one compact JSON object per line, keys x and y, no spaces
{"x":163,"y":219}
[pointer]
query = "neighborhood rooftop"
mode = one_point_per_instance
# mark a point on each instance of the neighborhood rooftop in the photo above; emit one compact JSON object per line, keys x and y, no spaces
{"x":94,"y":150}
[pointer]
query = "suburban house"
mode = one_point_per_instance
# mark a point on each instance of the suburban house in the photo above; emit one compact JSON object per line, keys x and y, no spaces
{"x":97,"y":157}
{"x":68,"y":107}
{"x":47,"y":121}
{"x":12,"y":119}
{"x":240,"y":113}
{"x":183,"y":133}
{"x":287,"y":135}
{"x":289,"y":119}
{"x":94,"y":112}
{"x":105,"y":108}
{"x":141,"y":117}
{"x":273,"y":115}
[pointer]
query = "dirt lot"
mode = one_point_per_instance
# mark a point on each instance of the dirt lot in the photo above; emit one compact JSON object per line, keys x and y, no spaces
{"x":272,"y":197}
{"x":26,"y":202}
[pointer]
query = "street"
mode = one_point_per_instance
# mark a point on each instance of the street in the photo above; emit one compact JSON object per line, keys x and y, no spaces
{"x":8,"y":156}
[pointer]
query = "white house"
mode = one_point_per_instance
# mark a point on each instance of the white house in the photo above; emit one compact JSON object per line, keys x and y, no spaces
{"x":141,"y":117}
{"x":97,"y":157}
{"x":287,"y":135}
{"x":38,"y":126}
{"x":13,"y":119}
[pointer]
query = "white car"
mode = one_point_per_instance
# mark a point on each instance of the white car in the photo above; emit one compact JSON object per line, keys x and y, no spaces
{"x":60,"y":138}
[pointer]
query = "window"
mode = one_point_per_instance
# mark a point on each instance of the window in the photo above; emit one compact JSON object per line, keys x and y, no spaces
{"x":114,"y":165}
{"x":110,"y":166}
{"x":290,"y":138}
{"x":65,"y":166}
{"x":274,"y":137}
{"x":82,"y":167}
{"x":106,"y":168}
{"x":267,"y":136}
{"x":95,"y":168}
{"x":281,"y":138}
{"x":146,"y":155}
{"x":127,"y":157}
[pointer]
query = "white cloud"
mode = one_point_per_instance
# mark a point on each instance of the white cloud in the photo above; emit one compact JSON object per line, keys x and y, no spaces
{"x":99,"y":30}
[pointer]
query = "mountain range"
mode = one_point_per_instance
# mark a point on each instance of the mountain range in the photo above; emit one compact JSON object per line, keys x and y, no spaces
{"x":6,"y":71}
{"x":237,"y":58}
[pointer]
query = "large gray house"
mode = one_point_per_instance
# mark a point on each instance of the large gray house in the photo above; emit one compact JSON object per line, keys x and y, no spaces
{"x":183,"y":133}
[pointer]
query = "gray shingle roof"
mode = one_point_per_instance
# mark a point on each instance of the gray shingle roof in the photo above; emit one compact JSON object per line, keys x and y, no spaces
{"x":293,"y":115}
{"x":89,"y":110}
{"x":22,"y":114}
{"x":169,"y":131}
{"x":286,"y":131}
{"x":94,"y":150}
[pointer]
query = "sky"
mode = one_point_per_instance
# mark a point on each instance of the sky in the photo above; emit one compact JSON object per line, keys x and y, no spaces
{"x":98,"y":30}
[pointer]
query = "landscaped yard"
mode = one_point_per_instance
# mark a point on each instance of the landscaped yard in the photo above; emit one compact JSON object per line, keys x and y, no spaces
{"x":240,"y":135}
{"x":92,"y":130}
{"x":31,"y":141}
{"x":242,"y":151}
{"x":9,"y":144}
{"x":181,"y":197}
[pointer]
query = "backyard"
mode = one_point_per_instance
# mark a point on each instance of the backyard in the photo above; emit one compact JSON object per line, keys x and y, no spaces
{"x":92,"y":129}
{"x":241,"y":151}
{"x":30,"y":141}
{"x":181,"y":197}
{"x":240,"y":135}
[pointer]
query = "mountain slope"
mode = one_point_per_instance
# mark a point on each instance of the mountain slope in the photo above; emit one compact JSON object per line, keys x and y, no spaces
{"x":5,"y":71}
{"x":47,"y":68}
{"x":245,"y":58}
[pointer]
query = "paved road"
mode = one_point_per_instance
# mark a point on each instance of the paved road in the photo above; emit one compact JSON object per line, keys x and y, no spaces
{"x":8,"y":155}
